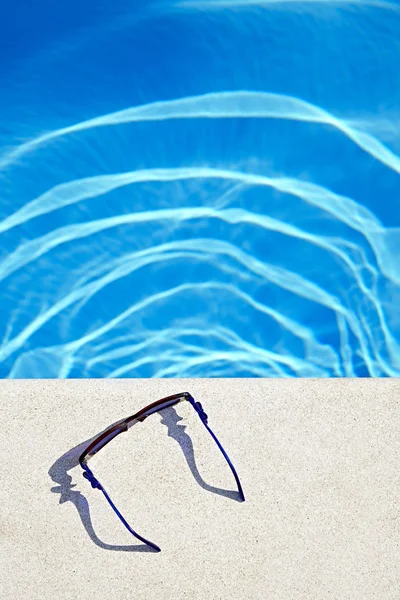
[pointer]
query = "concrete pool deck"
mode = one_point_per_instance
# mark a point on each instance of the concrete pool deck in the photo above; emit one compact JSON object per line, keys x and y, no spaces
{"x":319,"y":462}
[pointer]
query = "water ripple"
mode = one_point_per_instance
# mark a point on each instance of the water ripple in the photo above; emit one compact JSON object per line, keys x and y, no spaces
{"x":229,"y":104}
{"x":225,"y":231}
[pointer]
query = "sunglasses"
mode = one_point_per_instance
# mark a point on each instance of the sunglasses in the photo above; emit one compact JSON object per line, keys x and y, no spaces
{"x":111,"y":432}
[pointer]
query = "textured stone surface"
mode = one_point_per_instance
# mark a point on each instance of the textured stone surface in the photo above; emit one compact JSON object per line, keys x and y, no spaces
{"x":319,"y":462}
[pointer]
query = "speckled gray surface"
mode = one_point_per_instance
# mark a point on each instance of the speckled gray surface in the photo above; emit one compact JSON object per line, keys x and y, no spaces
{"x":319,"y":461}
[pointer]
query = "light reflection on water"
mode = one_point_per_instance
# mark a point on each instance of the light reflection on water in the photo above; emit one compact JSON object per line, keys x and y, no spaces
{"x":230,"y":213}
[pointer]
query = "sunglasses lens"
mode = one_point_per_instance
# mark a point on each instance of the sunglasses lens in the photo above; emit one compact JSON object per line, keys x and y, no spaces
{"x":124,"y":424}
{"x":104,"y":441}
{"x":165,"y":404}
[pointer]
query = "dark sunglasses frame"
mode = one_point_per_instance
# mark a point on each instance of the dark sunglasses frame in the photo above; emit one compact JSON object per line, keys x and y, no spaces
{"x":111,"y":432}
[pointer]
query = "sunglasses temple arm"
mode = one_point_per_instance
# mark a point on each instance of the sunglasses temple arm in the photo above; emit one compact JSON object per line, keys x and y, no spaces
{"x":88,"y":474}
{"x":204,"y":418}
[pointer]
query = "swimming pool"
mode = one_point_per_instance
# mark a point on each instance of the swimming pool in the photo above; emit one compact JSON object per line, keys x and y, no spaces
{"x":200,"y":189}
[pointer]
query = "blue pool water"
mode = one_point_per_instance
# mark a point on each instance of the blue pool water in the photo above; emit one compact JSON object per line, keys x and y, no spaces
{"x":200,"y":189}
